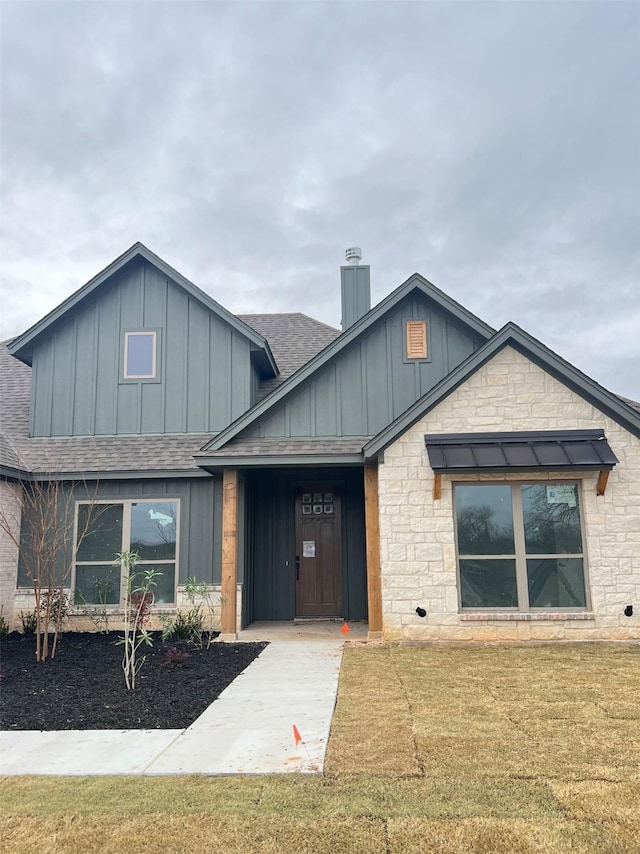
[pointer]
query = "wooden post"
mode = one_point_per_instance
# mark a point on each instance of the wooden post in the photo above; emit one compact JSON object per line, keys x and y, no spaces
{"x":603,"y":477}
{"x":229,"y":554}
{"x":437,"y":487}
{"x":372,"y":530}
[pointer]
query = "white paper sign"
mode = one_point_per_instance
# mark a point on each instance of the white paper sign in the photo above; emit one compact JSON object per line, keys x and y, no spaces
{"x":308,"y":548}
{"x":562,"y":494}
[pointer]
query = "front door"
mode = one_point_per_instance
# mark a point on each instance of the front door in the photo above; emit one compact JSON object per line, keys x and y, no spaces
{"x":318,"y":552}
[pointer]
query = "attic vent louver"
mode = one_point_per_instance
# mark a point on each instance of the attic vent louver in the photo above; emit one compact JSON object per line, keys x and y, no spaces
{"x":416,"y":339}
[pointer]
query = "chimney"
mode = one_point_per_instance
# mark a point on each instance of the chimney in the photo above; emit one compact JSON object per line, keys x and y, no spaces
{"x":355,"y":280}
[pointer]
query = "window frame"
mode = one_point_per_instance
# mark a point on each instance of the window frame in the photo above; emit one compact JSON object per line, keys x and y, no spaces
{"x":520,"y":555}
{"x":127,"y":504}
{"x":412,"y":360}
{"x":125,"y":376}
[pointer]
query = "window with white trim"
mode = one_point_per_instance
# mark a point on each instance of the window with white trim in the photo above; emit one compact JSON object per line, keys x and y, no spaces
{"x":520,"y":546}
{"x":140,"y":362}
{"x":148,"y":527}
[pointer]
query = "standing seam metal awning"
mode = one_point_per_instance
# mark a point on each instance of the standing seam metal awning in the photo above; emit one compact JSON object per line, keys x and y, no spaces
{"x":520,"y":451}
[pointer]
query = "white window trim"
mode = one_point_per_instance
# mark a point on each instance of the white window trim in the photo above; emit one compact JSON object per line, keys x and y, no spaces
{"x":154,"y":369}
{"x":520,"y":554}
{"x":125,"y":542}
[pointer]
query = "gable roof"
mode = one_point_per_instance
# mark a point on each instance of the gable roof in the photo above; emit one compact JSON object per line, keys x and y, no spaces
{"x":416,"y":282}
{"x":22,"y":346}
{"x":294,"y":339}
{"x":510,"y":335}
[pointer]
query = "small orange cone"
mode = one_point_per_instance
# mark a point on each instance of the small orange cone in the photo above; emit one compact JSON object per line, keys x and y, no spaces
{"x":296,"y":735}
{"x":345,"y":629}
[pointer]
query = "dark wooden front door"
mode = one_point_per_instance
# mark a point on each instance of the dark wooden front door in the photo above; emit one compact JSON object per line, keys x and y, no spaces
{"x":318,"y":552}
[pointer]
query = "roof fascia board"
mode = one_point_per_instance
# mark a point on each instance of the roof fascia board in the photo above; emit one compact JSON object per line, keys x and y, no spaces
{"x":139,"y":474}
{"x":18,"y":345}
{"x":265,"y":460}
{"x":414,"y":282}
{"x":10,"y":473}
{"x":452,"y":472}
{"x":509,"y":335}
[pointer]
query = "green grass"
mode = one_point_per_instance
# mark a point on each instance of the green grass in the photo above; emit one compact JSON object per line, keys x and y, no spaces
{"x":446,"y":750}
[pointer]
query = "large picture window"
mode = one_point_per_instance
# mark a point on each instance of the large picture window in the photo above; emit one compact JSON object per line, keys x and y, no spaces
{"x":520,"y":546}
{"x":103,"y":529}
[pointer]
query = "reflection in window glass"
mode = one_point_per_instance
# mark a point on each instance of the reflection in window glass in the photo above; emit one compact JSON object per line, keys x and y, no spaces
{"x":537,"y":528}
{"x":153,"y":530}
{"x":99,"y":531}
{"x":556,"y":583}
{"x":485,"y":519}
{"x":164,"y":590}
{"x":488,"y":583}
{"x":146,"y":527}
{"x":551,"y":518}
{"x":97,"y":584}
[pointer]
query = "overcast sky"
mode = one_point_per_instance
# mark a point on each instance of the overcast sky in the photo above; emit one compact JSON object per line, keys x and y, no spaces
{"x":492,"y":147}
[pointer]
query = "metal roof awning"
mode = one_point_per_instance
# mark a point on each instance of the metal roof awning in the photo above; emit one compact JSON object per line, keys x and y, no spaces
{"x":547,"y":450}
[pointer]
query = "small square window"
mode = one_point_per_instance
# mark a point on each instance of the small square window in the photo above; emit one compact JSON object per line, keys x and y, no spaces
{"x":139,"y":355}
{"x":416,"y":339}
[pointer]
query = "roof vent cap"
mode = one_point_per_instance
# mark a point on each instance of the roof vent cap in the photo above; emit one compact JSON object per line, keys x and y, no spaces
{"x":353,"y":255}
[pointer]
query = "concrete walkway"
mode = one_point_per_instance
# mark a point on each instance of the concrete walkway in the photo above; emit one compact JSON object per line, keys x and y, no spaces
{"x":247,"y":730}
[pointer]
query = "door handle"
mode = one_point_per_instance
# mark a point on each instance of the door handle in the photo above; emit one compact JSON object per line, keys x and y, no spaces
{"x":297,"y":567}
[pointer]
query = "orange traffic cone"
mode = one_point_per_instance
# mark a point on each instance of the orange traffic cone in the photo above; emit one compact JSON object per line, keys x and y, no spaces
{"x":345,"y":629}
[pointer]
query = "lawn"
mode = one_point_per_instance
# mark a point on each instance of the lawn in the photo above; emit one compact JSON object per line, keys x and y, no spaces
{"x":444,"y":750}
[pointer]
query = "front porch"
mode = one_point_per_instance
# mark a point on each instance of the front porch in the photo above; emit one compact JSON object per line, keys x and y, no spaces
{"x":303,"y":630}
{"x":300,"y":543}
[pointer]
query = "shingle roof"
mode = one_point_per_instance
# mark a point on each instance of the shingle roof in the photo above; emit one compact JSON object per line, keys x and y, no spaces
{"x":15,"y":394}
{"x":294,"y":339}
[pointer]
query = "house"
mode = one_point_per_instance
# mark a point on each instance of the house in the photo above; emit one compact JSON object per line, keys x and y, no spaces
{"x":419,"y":469}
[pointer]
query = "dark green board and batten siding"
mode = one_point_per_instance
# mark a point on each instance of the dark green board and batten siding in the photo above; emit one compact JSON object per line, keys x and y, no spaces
{"x":200,"y":540}
{"x":205,"y":381}
{"x":371,"y":382}
{"x":269,"y":585}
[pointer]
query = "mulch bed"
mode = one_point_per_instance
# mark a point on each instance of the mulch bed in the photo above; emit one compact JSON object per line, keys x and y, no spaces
{"x":83,"y":686}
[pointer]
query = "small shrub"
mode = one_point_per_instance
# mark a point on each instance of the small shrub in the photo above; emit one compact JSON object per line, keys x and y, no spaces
{"x":29,"y":622}
{"x":4,"y":625}
{"x":98,"y":613}
{"x":200,"y":590}
{"x":186,"y":626}
{"x":175,"y":657}
{"x":56,"y":604}
{"x":139,"y":599}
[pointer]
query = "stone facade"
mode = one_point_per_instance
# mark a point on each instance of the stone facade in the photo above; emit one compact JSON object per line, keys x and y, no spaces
{"x":10,"y":515}
{"x":23,"y":600}
{"x":417,"y":542}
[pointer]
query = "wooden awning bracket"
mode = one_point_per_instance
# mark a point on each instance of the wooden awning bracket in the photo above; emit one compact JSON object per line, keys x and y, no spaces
{"x":437,"y":487}
{"x":603,"y":477}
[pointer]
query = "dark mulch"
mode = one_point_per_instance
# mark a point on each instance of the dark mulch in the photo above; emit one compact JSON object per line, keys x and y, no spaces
{"x":83,"y":686}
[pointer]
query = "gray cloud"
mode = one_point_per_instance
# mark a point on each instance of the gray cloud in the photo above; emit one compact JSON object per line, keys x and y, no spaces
{"x":492,"y":147}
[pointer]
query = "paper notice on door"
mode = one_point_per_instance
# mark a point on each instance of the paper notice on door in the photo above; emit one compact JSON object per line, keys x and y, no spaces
{"x":308,"y":548}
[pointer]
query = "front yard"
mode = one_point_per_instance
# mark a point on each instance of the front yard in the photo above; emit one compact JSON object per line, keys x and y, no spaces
{"x":502,"y":750}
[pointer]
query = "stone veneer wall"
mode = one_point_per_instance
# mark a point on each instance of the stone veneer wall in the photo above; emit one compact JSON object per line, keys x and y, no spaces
{"x":10,"y":512}
{"x":418,"y":560}
{"x":25,"y":601}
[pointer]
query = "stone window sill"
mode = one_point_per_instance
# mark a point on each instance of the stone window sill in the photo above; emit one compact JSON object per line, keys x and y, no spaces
{"x":512,"y":616}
